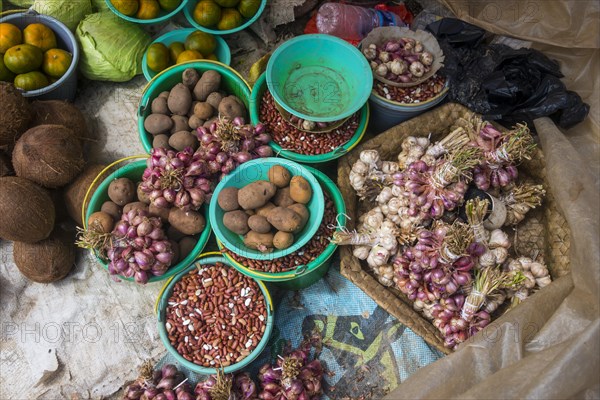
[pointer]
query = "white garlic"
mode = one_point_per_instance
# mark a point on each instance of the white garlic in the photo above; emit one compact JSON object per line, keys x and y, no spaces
{"x":394,"y":205}
{"x":373,"y":65}
{"x":385,"y":195}
{"x":361,"y":252}
{"x":520,"y":208}
{"x":538,"y":270}
{"x":397,"y":191}
{"x":525,"y":263}
{"x":388,"y":242}
{"x":384,"y":56}
{"x":514,"y":265}
{"x":398,"y":67}
{"x":529,"y":282}
{"x":360,"y":167}
{"x":389,"y":167}
{"x":498,"y":239}
{"x":370,"y":53}
{"x":418,"y":47}
{"x":378,"y":256}
{"x":487,"y":259}
{"x":417,"y":69}
{"x":500,"y":253}
{"x":426,"y":58}
{"x":543,"y":281}
{"x":381,"y":70}
{"x":370,"y":157}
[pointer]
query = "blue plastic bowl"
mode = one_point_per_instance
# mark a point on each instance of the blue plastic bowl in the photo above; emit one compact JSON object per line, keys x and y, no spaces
{"x":163,"y":15}
{"x":189,"y":14}
{"x":319,"y":77}
{"x":222,"y":51}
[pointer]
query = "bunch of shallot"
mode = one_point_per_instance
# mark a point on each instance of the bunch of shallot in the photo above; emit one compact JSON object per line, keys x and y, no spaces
{"x":223,"y":386}
{"x":401,"y":60}
{"x":139,"y":247}
{"x":165,"y":384}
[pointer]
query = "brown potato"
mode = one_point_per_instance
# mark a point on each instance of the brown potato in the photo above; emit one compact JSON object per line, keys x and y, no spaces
{"x":160,"y":212}
{"x":228,"y":199}
{"x":190,"y":77}
{"x":232,"y":107}
{"x":208,"y":83}
{"x":161,"y":141}
{"x":112,"y":209}
{"x":195,"y":122}
{"x":204,"y":110}
{"x":264,"y":210}
{"x":173,"y":233}
{"x":282,"y":198}
{"x":176,"y":252}
{"x":141,"y":195}
{"x":259,"y":224}
{"x":180,"y":123}
{"x":214,"y":99}
{"x":121,"y":191}
{"x":135,"y":205}
{"x":101,"y":222}
{"x":180,"y":99}
{"x":164,"y":94}
{"x":183,"y":139}
{"x":191,"y":110}
{"x":302,"y":211}
{"x":283,"y":240}
{"x":250,"y":212}
{"x":300,"y":190}
{"x":156,"y":124}
{"x":256,"y":194}
{"x":159,"y":106}
{"x":259,"y":241}
{"x":236,"y":221}
{"x":284,"y":219}
{"x":186,"y":245}
{"x":279,"y":175}
{"x":187,"y":222}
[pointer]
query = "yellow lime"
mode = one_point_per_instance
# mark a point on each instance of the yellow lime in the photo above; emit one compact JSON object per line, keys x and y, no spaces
{"x":189,"y":55}
{"x":158,"y":57}
{"x":11,"y":36}
{"x":227,"y":3}
{"x":126,"y":7}
{"x":5,"y":73}
{"x":175,"y":49}
{"x":230,"y":19}
{"x":169,"y":5}
{"x":212,"y":56}
{"x":202,"y":42}
{"x":23,"y":58}
{"x":31,"y":81}
{"x":207,"y":13}
{"x":149,"y":9}
{"x":248,"y":7}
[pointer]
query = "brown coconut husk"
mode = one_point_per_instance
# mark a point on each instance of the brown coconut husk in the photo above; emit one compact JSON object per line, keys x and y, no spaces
{"x":59,"y":112}
{"x":49,"y":155}
{"x":6,"y":168}
{"x":75,"y":192}
{"x":27,"y":210}
{"x":15,"y":114}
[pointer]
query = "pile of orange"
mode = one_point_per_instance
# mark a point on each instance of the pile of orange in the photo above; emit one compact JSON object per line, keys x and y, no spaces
{"x":30,"y":59}
{"x":144,"y":9}
{"x":224,"y":14}
{"x":198,"y":45}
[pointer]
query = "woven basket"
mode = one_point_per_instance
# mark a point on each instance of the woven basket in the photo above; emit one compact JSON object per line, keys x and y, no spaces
{"x":544,"y":232}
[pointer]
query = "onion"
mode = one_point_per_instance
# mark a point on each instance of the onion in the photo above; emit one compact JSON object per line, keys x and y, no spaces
{"x":244,"y":156}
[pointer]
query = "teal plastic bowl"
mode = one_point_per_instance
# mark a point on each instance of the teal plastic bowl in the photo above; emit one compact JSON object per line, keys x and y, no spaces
{"x":162,"y":331}
{"x":134,"y":172}
{"x":257,"y":93}
{"x":319,"y":77}
{"x":257,"y":170}
{"x":222,"y":51}
{"x":163,"y":15}
{"x":231,"y":82}
{"x":188,"y":11}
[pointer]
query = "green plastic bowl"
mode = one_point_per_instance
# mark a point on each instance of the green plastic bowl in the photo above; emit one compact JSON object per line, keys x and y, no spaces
{"x":319,"y":77}
{"x":257,"y":170}
{"x":134,"y":172}
{"x":162,"y":331}
{"x":231,"y":82}
{"x":163,"y":15}
{"x":222,"y":51}
{"x":188,"y":11}
{"x":257,"y":93}
{"x":304,"y":275}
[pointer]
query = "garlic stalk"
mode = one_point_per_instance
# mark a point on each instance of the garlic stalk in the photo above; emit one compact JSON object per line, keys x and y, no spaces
{"x":453,"y":141}
{"x":476,"y":210}
{"x":520,"y":200}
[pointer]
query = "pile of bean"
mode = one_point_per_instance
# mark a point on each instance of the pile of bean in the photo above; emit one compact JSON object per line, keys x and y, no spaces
{"x":215,"y":316}
{"x":415,"y":94}
{"x":292,"y":139}
{"x":307,"y":253}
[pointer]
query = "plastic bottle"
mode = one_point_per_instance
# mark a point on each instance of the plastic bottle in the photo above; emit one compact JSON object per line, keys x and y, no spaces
{"x":352,"y":22}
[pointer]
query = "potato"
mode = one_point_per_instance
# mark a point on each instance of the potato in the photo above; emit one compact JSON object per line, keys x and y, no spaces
{"x":157,"y":124}
{"x":176,"y":252}
{"x":282,"y":198}
{"x":190,"y":77}
{"x":173,"y":233}
{"x":279,"y":175}
{"x":214,"y":99}
{"x":265,"y":210}
{"x":204,"y":110}
{"x":236,"y":221}
{"x":195,"y":122}
{"x":141,"y":195}
{"x":101,"y":222}
{"x":161,"y":141}
{"x":208,"y":83}
{"x":180,"y":99}
{"x":232,"y":107}
{"x":180,"y":123}
{"x":135,"y":205}
{"x":183,"y":139}
{"x":121,"y":191}
{"x":187,"y":222}
{"x":302,"y":211}
{"x":191,"y":110}
{"x":300,"y":190}
{"x":256,"y":194}
{"x":112,"y":209}
{"x":250,"y":212}
{"x":159,"y":106}
{"x":164,"y":94}
{"x":186,"y":245}
{"x":259,"y":224}
{"x":284,"y":219}
{"x":228,"y":199}
{"x":260,"y":241}
{"x":283,"y":240}
{"x":160,"y":212}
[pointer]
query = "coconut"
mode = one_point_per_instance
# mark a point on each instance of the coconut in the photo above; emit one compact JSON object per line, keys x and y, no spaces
{"x":15,"y":114}
{"x":50,"y":155}
{"x":5,"y":164}
{"x":27,"y":210}
{"x":48,"y":260}
{"x":75,"y":192}
{"x":58,"y":112}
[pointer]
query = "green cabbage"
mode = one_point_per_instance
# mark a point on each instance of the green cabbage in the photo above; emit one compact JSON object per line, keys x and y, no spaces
{"x":99,"y":5}
{"x":69,"y":12}
{"x":22,"y":3}
{"x":111,"y":48}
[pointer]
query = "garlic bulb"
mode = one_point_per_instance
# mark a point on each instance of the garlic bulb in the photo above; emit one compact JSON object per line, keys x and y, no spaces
{"x":381,"y":70}
{"x":418,"y":47}
{"x":529,"y":281}
{"x":370,"y":157}
{"x":360,"y":167}
{"x":487,"y":259}
{"x":544,"y":281}
{"x":417,"y":69}
{"x":498,"y":239}
{"x":398,"y":67}
{"x":384,"y":56}
{"x":538,"y":270}
{"x":361,"y":252}
{"x":385,"y":195}
{"x":426,"y":58}
{"x":378,"y":256}
{"x":370,"y":53}
{"x":389,"y":167}
{"x":500,"y":253}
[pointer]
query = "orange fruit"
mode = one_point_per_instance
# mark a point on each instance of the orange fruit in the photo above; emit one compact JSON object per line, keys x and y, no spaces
{"x":207,"y":13}
{"x":149,"y":9}
{"x":189,"y":55}
{"x":175,"y":49}
{"x":169,"y":5}
{"x":158,"y":57}
{"x":230,"y":19}
{"x":212,"y":56}
{"x":39,"y":35}
{"x":126,"y":7}
{"x":10,"y":36}
{"x":227,"y":3}
{"x":5,"y":73}
{"x":23,"y":58}
{"x":248,"y":7}
{"x":56,"y":62}
{"x":31,"y":81}
{"x":202,"y":42}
